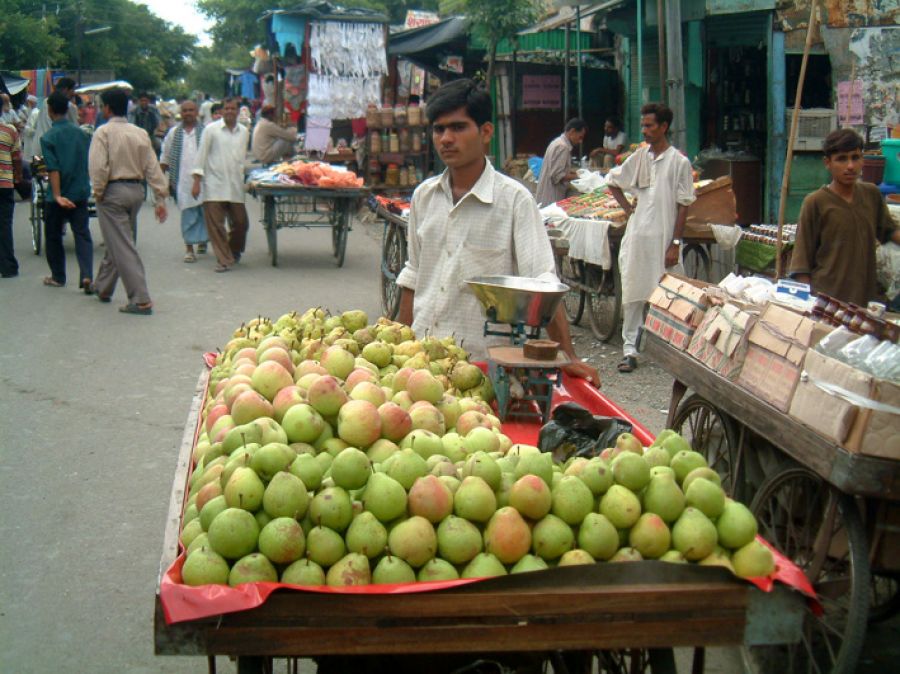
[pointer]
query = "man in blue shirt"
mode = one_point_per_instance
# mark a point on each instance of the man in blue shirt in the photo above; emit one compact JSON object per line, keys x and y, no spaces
{"x":65,"y":150}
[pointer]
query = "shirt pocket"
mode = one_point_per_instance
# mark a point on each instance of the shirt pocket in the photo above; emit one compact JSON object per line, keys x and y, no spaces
{"x":480,"y":261}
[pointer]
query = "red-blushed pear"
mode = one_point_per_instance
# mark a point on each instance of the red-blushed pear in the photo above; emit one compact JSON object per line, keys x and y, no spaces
{"x":422,"y":385}
{"x":359,"y":423}
{"x":507,"y":536}
{"x":338,"y":362}
{"x":432,"y":499}
{"x":531,"y":496}
{"x":220,"y":388}
{"x":401,"y":377}
{"x":395,"y":421}
{"x":473,"y":405}
{"x":402,"y":398}
{"x":247,"y":352}
{"x":250,"y":405}
{"x":326,"y":395}
{"x":471,"y":419}
{"x":309,"y":367}
{"x":207,"y":493}
{"x":359,"y":375}
{"x":448,"y":405}
{"x":366,"y":390}
{"x":278,"y":355}
{"x":302,"y":423}
{"x":272,"y":340}
{"x":270,"y":377}
{"x":245,"y":368}
{"x":234,"y":390}
{"x":285,"y":399}
{"x":426,"y":416}
{"x":306,"y":381}
{"x":220,"y":429}
{"x":215,"y":413}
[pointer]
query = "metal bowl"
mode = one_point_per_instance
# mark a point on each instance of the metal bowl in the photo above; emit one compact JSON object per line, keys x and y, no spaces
{"x":516,"y":299}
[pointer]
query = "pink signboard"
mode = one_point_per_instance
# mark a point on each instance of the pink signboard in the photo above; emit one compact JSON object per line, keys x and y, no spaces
{"x":541,"y":91}
{"x":850,"y":94}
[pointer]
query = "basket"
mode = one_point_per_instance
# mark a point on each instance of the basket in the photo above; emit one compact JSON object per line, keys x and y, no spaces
{"x":812,"y":127}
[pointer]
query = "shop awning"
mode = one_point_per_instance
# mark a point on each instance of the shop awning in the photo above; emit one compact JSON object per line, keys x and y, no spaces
{"x":441,"y":34}
{"x":12,"y":84}
{"x":103,"y":86}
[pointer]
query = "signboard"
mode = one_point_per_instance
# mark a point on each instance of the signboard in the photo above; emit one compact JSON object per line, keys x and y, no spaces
{"x":416,"y":18}
{"x":541,"y":91}
{"x":452,"y":63}
{"x":850,"y":102}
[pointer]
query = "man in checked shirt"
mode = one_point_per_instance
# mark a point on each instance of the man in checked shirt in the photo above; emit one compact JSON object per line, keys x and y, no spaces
{"x":471,"y":221}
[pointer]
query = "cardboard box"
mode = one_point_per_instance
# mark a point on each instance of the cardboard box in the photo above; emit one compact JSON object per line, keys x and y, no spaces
{"x":825,"y":401}
{"x":777,"y":346}
{"x":677,"y":307}
{"x":721,"y":340}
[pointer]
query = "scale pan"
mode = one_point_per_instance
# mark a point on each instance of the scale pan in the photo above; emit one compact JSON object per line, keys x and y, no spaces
{"x":517,"y":299}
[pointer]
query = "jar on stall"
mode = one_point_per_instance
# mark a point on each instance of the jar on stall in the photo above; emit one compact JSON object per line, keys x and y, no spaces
{"x":375,"y":171}
{"x":386,"y":116}
{"x":414,"y":115}
{"x":392,"y":175}
{"x":404,"y":177}
{"x":393,"y":142}
{"x":374,"y":141}
{"x":416,"y":140}
{"x":400,"y":116}
{"x":373,"y":120}
{"x":403,"y":136}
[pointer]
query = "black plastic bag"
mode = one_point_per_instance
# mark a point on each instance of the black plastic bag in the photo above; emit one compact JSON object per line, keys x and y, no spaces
{"x":574,"y":431}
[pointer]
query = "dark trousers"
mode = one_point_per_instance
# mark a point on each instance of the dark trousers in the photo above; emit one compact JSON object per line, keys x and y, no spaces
{"x":229,"y":244}
{"x":55,"y":217}
{"x":9,"y":266}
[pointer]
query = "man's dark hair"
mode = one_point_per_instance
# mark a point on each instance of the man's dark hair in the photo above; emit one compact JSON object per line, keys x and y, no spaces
{"x":58,"y":103}
{"x":65,"y":83}
{"x":576,"y":124}
{"x":615,"y":122}
{"x":216,"y":107}
{"x":467,"y":94}
{"x":117,"y":100}
{"x":149,"y":97}
{"x":842,"y":140}
{"x":662,"y":113}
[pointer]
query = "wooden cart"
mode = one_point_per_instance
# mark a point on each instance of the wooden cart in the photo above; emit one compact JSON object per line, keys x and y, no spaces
{"x":816,"y":502}
{"x":634,"y":613}
{"x":393,"y":257}
{"x":311,"y":207}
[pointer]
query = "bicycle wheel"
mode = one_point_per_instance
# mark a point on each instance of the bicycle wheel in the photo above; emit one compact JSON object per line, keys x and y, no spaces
{"x":604,"y":301}
{"x":339,"y":231}
{"x":711,"y":432}
{"x":569,"y":272}
{"x":37,"y":219}
{"x":696,"y":262}
{"x":820,"y":530}
{"x":884,"y":600}
{"x":393,"y":257}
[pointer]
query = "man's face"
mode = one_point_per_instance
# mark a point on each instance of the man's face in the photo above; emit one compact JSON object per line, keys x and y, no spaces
{"x":609,"y":129}
{"x":576,"y":137}
{"x":216,"y":114}
{"x":652,"y":130}
{"x":845,"y":167}
{"x":143,"y":102}
{"x":459,"y":140}
{"x":188,"y":113}
{"x":230,"y":112}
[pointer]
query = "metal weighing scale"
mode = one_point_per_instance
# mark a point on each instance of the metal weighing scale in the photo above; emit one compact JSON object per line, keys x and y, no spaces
{"x":519,"y":309}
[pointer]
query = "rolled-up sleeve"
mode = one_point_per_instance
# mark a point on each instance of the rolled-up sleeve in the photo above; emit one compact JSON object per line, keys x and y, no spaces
{"x":684,"y":193}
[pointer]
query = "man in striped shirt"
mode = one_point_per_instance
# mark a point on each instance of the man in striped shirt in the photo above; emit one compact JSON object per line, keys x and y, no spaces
{"x":10,"y":172}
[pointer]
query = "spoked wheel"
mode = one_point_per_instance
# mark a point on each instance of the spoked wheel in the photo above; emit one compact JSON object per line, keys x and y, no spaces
{"x":393,"y":257}
{"x":37,"y":219}
{"x":821,"y":531}
{"x":604,"y":302}
{"x":570,"y":273}
{"x":339,"y":230}
{"x":696,"y":262}
{"x":884,"y":599}
{"x":711,"y":432}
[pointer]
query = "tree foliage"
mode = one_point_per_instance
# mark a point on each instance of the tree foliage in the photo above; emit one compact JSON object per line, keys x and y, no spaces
{"x":495,"y":20}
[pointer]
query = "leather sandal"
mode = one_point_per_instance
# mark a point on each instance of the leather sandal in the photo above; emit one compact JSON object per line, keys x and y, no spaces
{"x":628,"y":364}
{"x":52,"y":282}
{"x":137,"y":309}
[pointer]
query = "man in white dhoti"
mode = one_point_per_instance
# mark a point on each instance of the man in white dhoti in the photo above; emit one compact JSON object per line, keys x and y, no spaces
{"x":660,"y":177}
{"x":178,"y":158}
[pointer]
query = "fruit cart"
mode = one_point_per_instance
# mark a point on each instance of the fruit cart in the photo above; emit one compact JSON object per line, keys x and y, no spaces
{"x":289,"y":206}
{"x":817,"y":503}
{"x":629,"y":616}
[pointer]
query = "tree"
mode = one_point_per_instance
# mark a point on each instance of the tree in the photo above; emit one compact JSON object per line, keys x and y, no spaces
{"x":496,"y":20}
{"x":28,"y":39}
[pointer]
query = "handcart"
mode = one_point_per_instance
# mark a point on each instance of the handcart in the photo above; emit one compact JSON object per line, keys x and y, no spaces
{"x":827,"y":509}
{"x":40,"y":191}
{"x":393,"y":256}
{"x":289,"y":206}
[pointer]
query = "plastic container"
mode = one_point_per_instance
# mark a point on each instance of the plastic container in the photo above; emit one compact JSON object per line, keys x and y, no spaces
{"x":404,"y":177}
{"x":393,"y":142}
{"x":403,"y":136}
{"x":375,"y":171}
{"x":373,"y":119}
{"x":414,"y":115}
{"x":392,"y":175}
{"x":890,"y":148}
{"x":416,"y":141}
{"x":873,"y":168}
{"x":374,"y":142}
{"x":386,"y":117}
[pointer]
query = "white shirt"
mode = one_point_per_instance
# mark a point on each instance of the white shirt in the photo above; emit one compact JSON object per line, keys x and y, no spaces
{"x":651,"y":228}
{"x":206,"y":112}
{"x":188,"y":160}
{"x":612,"y":142}
{"x":495,"y":228}
{"x":221,"y":162}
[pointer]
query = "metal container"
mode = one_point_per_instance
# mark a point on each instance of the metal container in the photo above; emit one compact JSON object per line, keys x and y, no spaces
{"x":516,"y":299}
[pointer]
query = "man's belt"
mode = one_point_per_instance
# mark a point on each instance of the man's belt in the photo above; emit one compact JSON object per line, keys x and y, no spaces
{"x":130,"y":181}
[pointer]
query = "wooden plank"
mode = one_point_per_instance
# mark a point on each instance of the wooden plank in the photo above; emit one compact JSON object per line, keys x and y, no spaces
{"x":851,"y":473}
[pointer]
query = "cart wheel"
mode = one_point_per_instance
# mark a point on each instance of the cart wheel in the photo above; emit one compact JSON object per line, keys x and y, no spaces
{"x":393,"y":257}
{"x":605,"y":302}
{"x":696,"y":262}
{"x":624,"y":662}
{"x":711,"y":432}
{"x":820,"y":530}
{"x":339,"y":231}
{"x":37,"y":219}
{"x":570,"y":273}
{"x":271,"y":228}
{"x":884,"y":602}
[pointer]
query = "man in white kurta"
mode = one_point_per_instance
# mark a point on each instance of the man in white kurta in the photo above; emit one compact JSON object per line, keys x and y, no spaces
{"x":660,"y":177}
{"x":220,"y":171}
{"x":178,"y":158}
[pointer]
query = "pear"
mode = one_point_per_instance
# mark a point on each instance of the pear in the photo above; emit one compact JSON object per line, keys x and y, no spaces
{"x":482,"y":465}
{"x":620,"y":506}
{"x":706,"y":496}
{"x":650,"y":536}
{"x":673,"y":557}
{"x":391,"y":570}
{"x":458,"y":540}
{"x":753,"y":560}
{"x":430,"y":498}
{"x":244,"y":490}
{"x":210,"y":510}
{"x":406,"y":466}
{"x":308,"y":470}
{"x":572,"y":500}
{"x":664,"y":498}
{"x":626,"y":555}
{"x":575,"y":557}
{"x":507,"y":536}
{"x":233,"y":533}
{"x":597,"y":475}
{"x":191,"y":512}
{"x":484,"y":565}
{"x":282,"y":540}
{"x":540,"y":464}
{"x":657,"y":456}
{"x":380,"y":450}
{"x":352,"y":569}
{"x":271,"y":459}
{"x":303,"y":572}
{"x":324,"y":546}
{"x":286,"y":496}
{"x":693,"y":535}
{"x":531,"y":496}
{"x":736,"y":525}
{"x":718,"y":557}
{"x":529,"y":563}
{"x":684,"y":462}
{"x":451,"y":481}
{"x":703,"y":471}
{"x":662,"y":437}
{"x":598,"y":536}
{"x":200,"y":541}
{"x":254,"y":568}
{"x":437,"y":569}
{"x":551,"y":537}
{"x":190,"y":531}
{"x":631,"y":471}
{"x":262,"y":518}
{"x":366,"y":535}
{"x":474,"y":500}
{"x":241,"y":435}
{"x":675,"y":444}
{"x":351,"y":468}
{"x":332,"y":508}
{"x":413,"y":540}
{"x":205,"y":567}
{"x":384,"y":497}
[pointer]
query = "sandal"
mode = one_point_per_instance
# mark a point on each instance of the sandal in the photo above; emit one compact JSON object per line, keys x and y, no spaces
{"x":137,"y":309}
{"x":222,"y":268}
{"x":628,"y":364}
{"x":190,"y":257}
{"x":52,"y":282}
{"x":87,"y":286}
{"x":201,"y":248}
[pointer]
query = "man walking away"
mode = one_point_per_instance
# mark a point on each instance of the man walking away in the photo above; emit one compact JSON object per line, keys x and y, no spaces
{"x":660,"y":177}
{"x":10,"y":172}
{"x":120,"y":160}
{"x":146,"y":116}
{"x":66,"y":87}
{"x":556,"y":170}
{"x":220,"y":172}
{"x":179,"y":156}
{"x":65,"y":151}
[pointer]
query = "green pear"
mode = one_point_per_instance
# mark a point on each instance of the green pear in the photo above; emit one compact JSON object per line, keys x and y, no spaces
{"x":391,"y":570}
{"x":675,"y":444}
{"x":451,"y":481}
{"x":308,"y":470}
{"x":620,"y":506}
{"x":598,"y":536}
{"x":303,"y":572}
{"x":352,"y":569}
{"x":693,"y":535}
{"x":551,"y":537}
{"x":190,"y":513}
{"x":210,"y":510}
{"x":406,"y":466}
{"x":529,"y":563}
{"x":282,"y":540}
{"x":384,"y":497}
{"x":474,"y":500}
{"x":662,"y":437}
{"x":706,"y":496}
{"x":200,"y":541}
{"x":673,"y":557}
{"x":650,"y":536}
{"x":540,"y":464}
{"x":351,"y":468}
{"x":575,"y":557}
{"x":597,"y":475}
{"x":366,"y":535}
{"x":753,"y":560}
{"x":664,"y":498}
{"x":244,"y":490}
{"x":332,"y":508}
{"x":271,"y":459}
{"x":736,"y":525}
{"x":458,"y":540}
{"x":482,"y":465}
{"x":631,"y":471}
{"x":233,"y":533}
{"x":626,"y":555}
{"x":718,"y":557}
{"x":704,"y":472}
{"x":437,"y":569}
{"x":324,"y":546}
{"x":662,"y":470}
{"x":205,"y":567}
{"x":241,"y":435}
{"x":380,"y":450}
{"x":286,"y":496}
{"x":684,"y":462}
{"x":657,"y":456}
{"x":262,"y":518}
{"x":413,"y":540}
{"x":484,"y":565}
{"x":572,"y":500}
{"x":254,"y":568}
{"x":190,"y":531}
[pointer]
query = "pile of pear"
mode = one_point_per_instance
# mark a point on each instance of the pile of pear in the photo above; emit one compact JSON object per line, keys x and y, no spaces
{"x":333,"y":452}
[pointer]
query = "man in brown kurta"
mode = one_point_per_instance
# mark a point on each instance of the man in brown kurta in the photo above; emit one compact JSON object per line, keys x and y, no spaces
{"x":839,"y":226}
{"x":556,"y":170}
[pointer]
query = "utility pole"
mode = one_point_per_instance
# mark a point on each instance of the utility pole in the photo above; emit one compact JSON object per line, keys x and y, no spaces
{"x":675,"y":81}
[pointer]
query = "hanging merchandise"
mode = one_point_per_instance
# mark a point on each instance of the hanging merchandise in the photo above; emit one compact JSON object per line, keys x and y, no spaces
{"x":294,"y":90}
{"x":347,"y":49}
{"x":318,"y":133}
{"x":342,"y":97}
